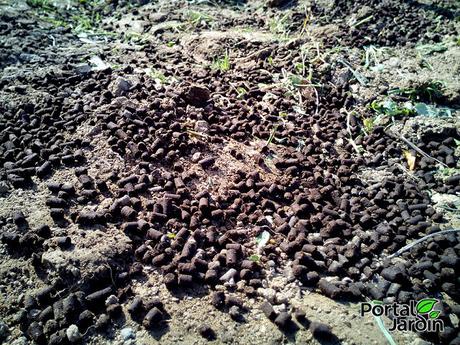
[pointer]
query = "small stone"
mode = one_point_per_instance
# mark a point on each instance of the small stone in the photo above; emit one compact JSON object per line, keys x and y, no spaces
{"x":120,"y":86}
{"x":73,"y":333}
{"x":4,"y":188}
{"x":127,"y":333}
{"x":228,"y":275}
{"x":196,"y":157}
{"x":112,"y":299}
{"x":207,"y":162}
{"x":153,"y":318}
{"x":201,"y":126}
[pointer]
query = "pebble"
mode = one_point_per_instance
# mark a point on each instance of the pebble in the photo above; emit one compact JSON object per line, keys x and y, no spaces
{"x":127,"y":333}
{"x":112,"y":299}
{"x":196,"y":157}
{"x":73,"y":333}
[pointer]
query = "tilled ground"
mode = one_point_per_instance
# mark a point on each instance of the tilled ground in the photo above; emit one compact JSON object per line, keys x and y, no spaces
{"x":184,"y":173}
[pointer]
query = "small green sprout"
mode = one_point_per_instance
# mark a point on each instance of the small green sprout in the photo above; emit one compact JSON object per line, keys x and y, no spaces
{"x":241,"y":91}
{"x":390,"y":108}
{"x":431,"y":90}
{"x":222,"y":64}
{"x":299,"y":67}
{"x":369,"y":124}
{"x":158,"y":76}
{"x":270,"y":60}
{"x":196,"y":18}
{"x":279,"y":26}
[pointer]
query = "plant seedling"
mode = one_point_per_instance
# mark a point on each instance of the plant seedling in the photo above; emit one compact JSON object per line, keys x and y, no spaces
{"x":241,"y":91}
{"x":391,"y":108}
{"x":195,"y":18}
{"x":430,"y":90}
{"x":222,"y":64}
{"x":279,"y":26}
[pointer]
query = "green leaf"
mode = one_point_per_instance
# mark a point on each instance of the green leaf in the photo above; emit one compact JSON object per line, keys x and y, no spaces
{"x":390,"y":108}
{"x":429,"y":110}
{"x":377,"y":302}
{"x":426,"y":305}
{"x":434,"y":314}
{"x":170,"y":235}
{"x":368,"y":124}
{"x":254,"y":257}
{"x":422,"y":109}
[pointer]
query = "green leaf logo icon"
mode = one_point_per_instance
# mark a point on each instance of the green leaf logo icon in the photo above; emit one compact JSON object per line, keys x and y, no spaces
{"x":434,"y":314}
{"x":426,"y":305}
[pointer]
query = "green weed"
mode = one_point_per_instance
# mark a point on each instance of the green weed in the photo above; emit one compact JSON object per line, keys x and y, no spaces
{"x":270,"y":61}
{"x":82,"y":23}
{"x":195,"y":18}
{"x":390,"y":108}
{"x":132,"y":36}
{"x":159,"y":76}
{"x":241,"y":91}
{"x":300,"y":68}
{"x":432,"y":90}
{"x":447,"y":172}
{"x":368,"y":124}
{"x":279,"y":25}
{"x":222,"y":64}
{"x":282,"y":116}
{"x":427,"y":49}
{"x":55,"y":22}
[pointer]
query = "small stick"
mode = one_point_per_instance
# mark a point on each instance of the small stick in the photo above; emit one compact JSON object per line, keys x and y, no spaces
{"x":352,"y":142}
{"x":317,"y":100}
{"x":413,"y":146}
{"x":410,"y":245}
{"x":362,"y":21}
